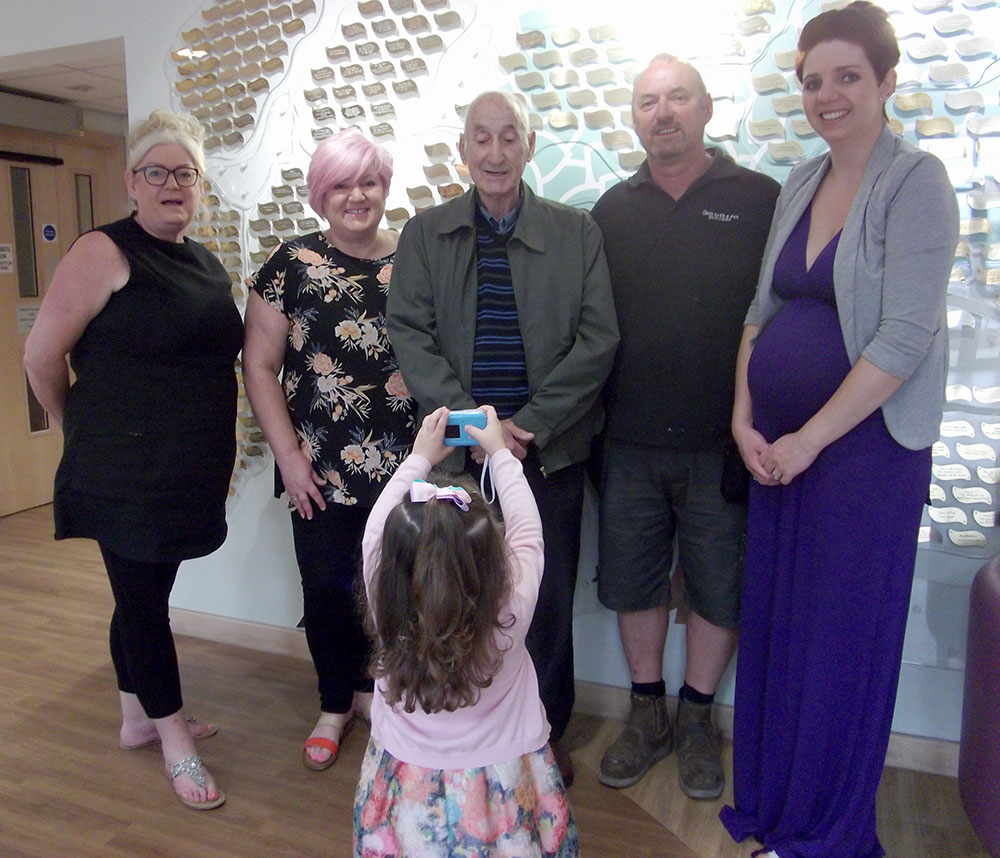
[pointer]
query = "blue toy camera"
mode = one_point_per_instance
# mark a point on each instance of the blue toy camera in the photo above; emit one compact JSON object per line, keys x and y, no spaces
{"x":454,"y":433}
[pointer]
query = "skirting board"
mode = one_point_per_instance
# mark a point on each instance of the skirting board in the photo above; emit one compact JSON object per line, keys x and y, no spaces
{"x":919,"y":753}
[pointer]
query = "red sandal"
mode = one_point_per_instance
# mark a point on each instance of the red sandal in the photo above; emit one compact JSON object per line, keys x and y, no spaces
{"x":330,"y":745}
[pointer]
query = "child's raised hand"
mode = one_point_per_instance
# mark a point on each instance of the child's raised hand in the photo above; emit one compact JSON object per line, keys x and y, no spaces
{"x":429,"y":442}
{"x":491,"y":439}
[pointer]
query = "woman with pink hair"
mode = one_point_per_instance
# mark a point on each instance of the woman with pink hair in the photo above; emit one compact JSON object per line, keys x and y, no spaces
{"x":340,"y":419}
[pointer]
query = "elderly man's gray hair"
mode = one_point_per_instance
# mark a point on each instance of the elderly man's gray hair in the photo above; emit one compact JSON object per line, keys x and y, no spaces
{"x":515,"y":104}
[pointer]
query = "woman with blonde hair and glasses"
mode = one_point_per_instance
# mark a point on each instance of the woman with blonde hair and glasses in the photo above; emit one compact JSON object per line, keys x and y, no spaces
{"x":147,"y":318}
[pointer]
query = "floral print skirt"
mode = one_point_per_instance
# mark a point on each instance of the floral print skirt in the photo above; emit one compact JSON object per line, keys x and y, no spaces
{"x":515,"y":809}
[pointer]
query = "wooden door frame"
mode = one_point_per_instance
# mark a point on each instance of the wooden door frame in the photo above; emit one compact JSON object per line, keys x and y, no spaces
{"x":101,"y":157}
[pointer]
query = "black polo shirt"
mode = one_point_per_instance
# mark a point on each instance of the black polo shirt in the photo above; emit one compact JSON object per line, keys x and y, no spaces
{"x":683,"y":273}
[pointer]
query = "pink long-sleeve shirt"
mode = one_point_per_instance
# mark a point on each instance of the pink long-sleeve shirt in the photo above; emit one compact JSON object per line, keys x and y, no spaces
{"x":508,"y":720}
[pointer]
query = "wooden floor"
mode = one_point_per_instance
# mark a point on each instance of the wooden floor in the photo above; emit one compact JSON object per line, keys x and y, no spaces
{"x":66,"y":790}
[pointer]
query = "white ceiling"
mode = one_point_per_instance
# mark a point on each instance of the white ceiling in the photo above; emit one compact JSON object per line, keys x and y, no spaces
{"x":90,"y":79}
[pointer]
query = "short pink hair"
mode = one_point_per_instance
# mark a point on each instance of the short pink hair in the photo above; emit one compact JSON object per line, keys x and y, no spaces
{"x":343,"y":159}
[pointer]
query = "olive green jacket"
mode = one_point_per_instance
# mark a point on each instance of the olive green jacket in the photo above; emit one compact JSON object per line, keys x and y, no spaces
{"x":565,"y":313}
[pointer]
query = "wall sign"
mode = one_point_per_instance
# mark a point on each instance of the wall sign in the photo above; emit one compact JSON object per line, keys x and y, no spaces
{"x":26,"y":315}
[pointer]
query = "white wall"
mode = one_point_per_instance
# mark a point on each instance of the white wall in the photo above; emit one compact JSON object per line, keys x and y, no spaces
{"x":253,"y":577}
{"x":40,"y":33}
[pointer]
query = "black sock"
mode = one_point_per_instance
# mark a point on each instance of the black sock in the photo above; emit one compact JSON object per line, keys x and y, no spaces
{"x":650,"y":689}
{"x":692,"y":695}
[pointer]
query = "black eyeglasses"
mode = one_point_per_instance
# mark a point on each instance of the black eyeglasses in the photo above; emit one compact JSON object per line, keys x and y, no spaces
{"x":185,"y":177}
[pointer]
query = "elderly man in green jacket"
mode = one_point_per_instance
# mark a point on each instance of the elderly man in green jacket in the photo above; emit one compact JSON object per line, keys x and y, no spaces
{"x":502,"y":298}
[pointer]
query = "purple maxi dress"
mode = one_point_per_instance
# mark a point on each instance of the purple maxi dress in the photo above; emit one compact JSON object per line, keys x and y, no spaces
{"x":826,"y":590}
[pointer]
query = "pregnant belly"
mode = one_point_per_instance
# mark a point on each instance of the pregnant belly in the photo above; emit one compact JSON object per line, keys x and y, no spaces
{"x":797,"y":363}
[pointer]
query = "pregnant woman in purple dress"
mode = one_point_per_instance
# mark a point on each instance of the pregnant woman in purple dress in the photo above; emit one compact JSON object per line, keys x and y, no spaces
{"x":839,"y":393}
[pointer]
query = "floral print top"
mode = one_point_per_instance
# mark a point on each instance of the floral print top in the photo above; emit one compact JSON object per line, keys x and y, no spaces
{"x":349,"y":405}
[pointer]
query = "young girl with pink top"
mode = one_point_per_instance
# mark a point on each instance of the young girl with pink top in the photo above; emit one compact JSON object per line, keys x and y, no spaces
{"x":459,"y":760}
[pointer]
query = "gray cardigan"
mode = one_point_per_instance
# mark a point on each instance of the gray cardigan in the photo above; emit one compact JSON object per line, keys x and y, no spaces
{"x":890,"y":275}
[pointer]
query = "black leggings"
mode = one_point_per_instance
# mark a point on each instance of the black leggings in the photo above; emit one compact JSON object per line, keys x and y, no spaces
{"x":142,"y":646}
{"x":327,"y":548}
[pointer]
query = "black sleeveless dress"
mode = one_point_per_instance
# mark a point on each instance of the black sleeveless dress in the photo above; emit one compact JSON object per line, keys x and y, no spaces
{"x":149,"y":423}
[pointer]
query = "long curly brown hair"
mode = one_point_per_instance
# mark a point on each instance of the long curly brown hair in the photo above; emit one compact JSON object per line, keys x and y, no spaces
{"x":440,"y":580}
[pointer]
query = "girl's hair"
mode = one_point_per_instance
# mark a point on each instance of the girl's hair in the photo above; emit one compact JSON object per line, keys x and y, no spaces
{"x":162,"y":126}
{"x":343,"y":159}
{"x":861,"y":23}
{"x":440,"y":580}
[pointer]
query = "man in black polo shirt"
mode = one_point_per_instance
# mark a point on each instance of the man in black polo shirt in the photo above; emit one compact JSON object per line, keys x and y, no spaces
{"x":684,"y":237}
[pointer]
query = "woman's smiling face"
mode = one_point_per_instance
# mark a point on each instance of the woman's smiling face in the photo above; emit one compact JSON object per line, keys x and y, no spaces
{"x":841,"y":94}
{"x":355,"y":209}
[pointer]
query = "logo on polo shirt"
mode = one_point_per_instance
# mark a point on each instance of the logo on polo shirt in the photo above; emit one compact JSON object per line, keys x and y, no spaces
{"x":721,"y":217}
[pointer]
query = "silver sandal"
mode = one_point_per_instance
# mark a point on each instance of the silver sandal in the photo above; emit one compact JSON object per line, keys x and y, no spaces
{"x":194,"y":768}
{"x":210,"y":730}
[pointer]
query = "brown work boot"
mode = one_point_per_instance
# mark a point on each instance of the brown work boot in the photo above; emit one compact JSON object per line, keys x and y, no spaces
{"x":699,"y":761}
{"x":646,"y":738}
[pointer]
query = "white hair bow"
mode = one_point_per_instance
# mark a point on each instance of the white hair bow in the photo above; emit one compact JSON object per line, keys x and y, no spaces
{"x":422,"y":491}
